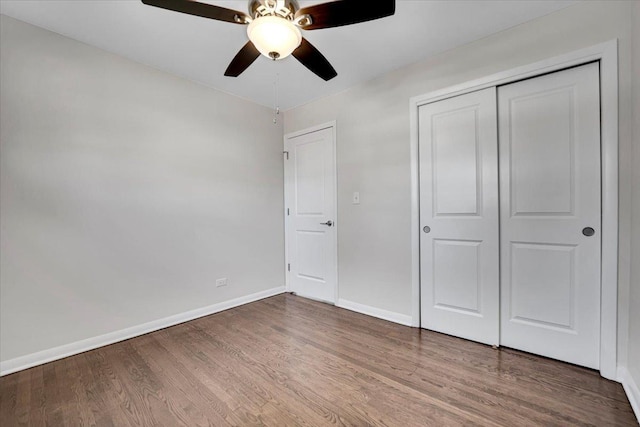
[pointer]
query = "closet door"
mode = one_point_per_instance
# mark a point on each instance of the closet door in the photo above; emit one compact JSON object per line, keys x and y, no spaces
{"x":459,"y":216}
{"x":549,"y":132}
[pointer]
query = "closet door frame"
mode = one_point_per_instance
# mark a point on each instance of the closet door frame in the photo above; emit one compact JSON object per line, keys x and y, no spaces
{"x":607,"y":56}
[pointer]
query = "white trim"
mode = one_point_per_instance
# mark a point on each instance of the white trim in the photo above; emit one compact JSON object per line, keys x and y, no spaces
{"x":607,"y":54}
{"x":415,"y":215}
{"x":631,"y":389}
{"x":327,"y":125}
{"x":391,"y":316}
{"x":609,"y":161}
{"x":335,"y":205}
{"x":285,"y":218}
{"x":34,"y":359}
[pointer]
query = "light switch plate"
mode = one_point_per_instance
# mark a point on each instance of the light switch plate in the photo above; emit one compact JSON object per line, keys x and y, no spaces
{"x":356,"y":197}
{"x":221,"y":282}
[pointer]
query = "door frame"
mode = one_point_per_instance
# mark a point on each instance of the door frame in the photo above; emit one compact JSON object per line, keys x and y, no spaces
{"x":287,"y":177}
{"x":607,"y":55}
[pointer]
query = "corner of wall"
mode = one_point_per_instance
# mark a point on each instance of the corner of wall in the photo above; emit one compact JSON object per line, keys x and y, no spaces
{"x":631,"y":389}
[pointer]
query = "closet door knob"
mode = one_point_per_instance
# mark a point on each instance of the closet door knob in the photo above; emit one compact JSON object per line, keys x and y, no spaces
{"x":588,"y":231}
{"x":426,"y":229}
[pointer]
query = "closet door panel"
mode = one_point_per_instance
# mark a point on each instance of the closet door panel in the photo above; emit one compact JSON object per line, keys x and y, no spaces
{"x":549,"y":133}
{"x":459,"y":216}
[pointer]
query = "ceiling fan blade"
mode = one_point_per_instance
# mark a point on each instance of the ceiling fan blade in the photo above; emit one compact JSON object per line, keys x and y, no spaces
{"x":242,"y":60}
{"x":205,"y":10}
{"x":346,"y":12}
{"x":311,"y":58}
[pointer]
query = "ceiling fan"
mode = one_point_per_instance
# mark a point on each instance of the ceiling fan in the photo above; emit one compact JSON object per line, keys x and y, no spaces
{"x":274,"y":27}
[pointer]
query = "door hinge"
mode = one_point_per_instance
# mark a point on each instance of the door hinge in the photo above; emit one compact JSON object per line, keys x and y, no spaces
{"x":287,"y":154}
{"x":288,"y":267}
{"x":287,"y":211}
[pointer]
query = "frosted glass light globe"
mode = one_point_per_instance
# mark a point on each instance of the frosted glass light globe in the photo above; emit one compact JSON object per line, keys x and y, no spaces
{"x":274,"y":37}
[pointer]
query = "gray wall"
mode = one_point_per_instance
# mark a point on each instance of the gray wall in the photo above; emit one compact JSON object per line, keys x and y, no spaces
{"x":634,"y":300}
{"x":373,"y":146}
{"x":125,"y":192}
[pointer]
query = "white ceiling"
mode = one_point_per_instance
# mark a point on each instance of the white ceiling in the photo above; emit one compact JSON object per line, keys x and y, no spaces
{"x":200,"y":49}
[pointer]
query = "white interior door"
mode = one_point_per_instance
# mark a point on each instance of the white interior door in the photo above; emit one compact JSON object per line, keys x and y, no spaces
{"x":310,"y":180}
{"x":549,"y":132}
{"x":459,"y":251}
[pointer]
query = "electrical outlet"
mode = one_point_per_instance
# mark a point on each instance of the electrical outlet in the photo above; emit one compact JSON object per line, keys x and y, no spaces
{"x":221,"y":282}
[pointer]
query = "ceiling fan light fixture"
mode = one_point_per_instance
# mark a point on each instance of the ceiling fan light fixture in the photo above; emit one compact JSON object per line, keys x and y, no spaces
{"x":274,"y":37}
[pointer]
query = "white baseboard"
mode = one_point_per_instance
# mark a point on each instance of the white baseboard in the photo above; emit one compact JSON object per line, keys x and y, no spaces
{"x":391,"y":316}
{"x":631,"y":388}
{"x":34,"y":359}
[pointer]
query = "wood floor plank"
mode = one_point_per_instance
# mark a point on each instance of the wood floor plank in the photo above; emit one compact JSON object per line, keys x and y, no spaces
{"x":291,"y":361}
{"x":9,"y":398}
{"x":198,"y":406}
{"x":120,"y":411}
{"x":101,"y":398}
{"x":144,"y":389}
{"x":85,"y":405}
{"x":349,"y":365}
{"x":329,"y":378}
{"x":600,"y":396}
{"x":338,"y":376}
{"x":23,"y":399}
{"x":464,"y":386}
{"x":264,"y":376}
{"x":54,"y":414}
{"x":38,"y":402}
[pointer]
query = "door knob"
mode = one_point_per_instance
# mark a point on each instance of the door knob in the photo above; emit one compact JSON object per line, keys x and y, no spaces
{"x":426,"y":229}
{"x":588,"y":231}
{"x":328,"y":223}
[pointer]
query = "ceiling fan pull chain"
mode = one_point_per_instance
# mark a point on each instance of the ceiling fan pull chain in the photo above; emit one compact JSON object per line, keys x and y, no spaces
{"x":276,"y":106}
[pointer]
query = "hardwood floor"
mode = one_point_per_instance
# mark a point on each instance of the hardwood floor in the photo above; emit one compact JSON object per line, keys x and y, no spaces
{"x":286,"y":360}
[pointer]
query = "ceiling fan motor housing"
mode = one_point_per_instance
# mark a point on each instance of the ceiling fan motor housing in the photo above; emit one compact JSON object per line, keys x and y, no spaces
{"x":282,"y":8}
